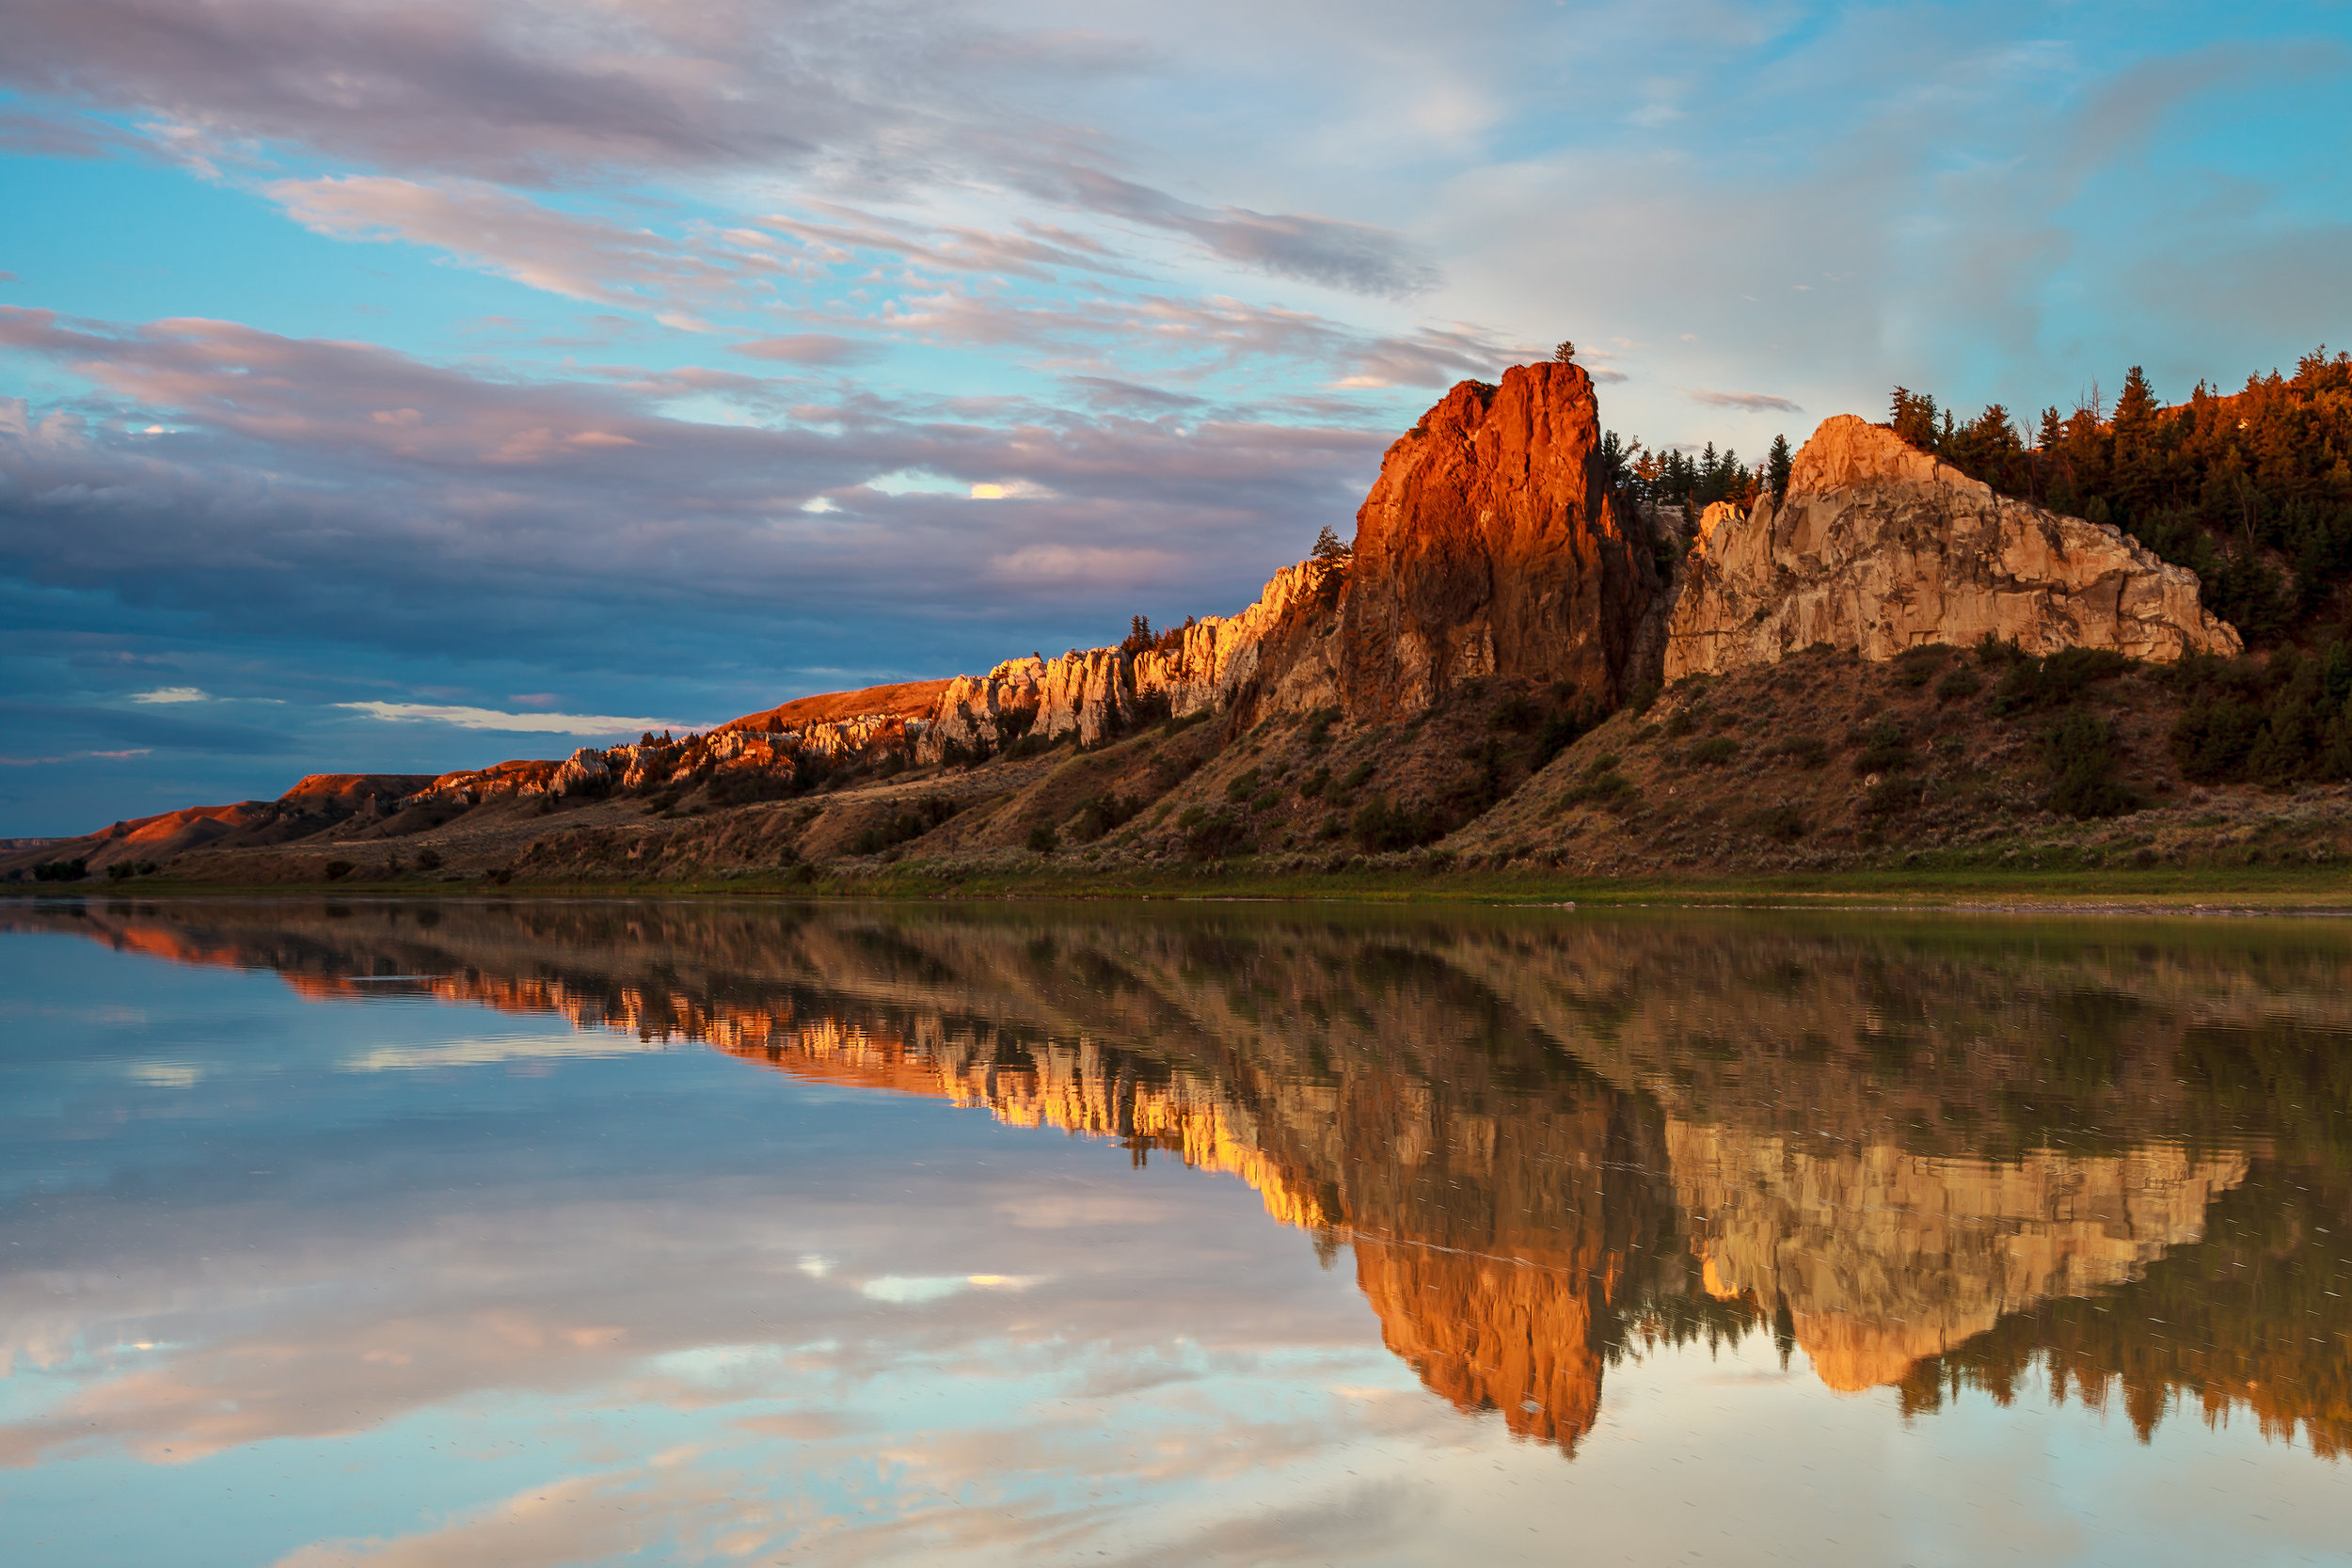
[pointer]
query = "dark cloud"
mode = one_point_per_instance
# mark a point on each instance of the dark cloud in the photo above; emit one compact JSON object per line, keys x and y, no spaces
{"x":344,"y":492}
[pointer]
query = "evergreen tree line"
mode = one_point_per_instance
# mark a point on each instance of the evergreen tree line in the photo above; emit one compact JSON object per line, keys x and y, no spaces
{"x":2251,"y":490}
{"x":1673,"y":477}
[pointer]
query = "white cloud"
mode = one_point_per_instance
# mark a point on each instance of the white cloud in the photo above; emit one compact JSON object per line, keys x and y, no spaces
{"x":520,"y":723}
{"x":173,"y":694}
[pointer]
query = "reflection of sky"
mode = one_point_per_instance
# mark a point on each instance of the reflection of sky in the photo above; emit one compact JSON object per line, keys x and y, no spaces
{"x":382,"y":1283}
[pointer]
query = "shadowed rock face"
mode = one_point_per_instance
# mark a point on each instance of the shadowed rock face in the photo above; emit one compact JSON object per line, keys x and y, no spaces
{"x":1488,"y":547}
{"x":1877,"y":547}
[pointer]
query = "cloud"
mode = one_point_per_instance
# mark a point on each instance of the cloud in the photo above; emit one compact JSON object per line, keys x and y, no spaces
{"x":1754,"y":402}
{"x":323,"y":495}
{"x":515,"y":723}
{"x":173,"y":694}
{"x":535,"y":244}
{"x":808,"y":348}
{"x":1435,"y":357}
{"x":534,"y":93}
{"x":1342,"y":255}
{"x":76,"y":757}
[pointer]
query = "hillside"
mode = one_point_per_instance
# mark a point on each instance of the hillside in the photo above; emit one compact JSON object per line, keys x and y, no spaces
{"x":1887,"y":662}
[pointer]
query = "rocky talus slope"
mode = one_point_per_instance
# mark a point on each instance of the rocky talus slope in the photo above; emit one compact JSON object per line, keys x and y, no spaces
{"x":1879,"y":547}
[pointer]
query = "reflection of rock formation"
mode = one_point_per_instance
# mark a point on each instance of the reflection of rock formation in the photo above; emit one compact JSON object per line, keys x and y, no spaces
{"x":1884,"y":1257}
{"x":1853,"y":1122}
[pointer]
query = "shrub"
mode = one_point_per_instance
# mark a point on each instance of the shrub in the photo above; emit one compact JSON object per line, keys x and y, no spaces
{"x":1600,"y":784}
{"x":1214,"y":834}
{"x":1319,"y":727}
{"x":1782,"y":822}
{"x":1516,"y":712}
{"x":1379,"y":825}
{"x":904,"y":826}
{"x":428,"y":860}
{"x":1892,"y":795}
{"x":1884,"y":748}
{"x":62,"y":871}
{"x":1242,"y":785}
{"x":1914,"y":666}
{"x":1959,"y":684}
{"x":338,"y":870}
{"x":1995,"y":652}
{"x":118,"y":872}
{"x":1358,"y":776}
{"x":1315,"y":783}
{"x":1044,"y":840}
{"x":1645,"y":697}
{"x":1099,"y":814}
{"x":2083,"y":755}
{"x":1713,"y":751}
{"x":2278,"y":724}
{"x":1682,"y":723}
{"x":1806,"y":751}
{"x":1562,"y":730}
{"x":2038,"y":684}
{"x":1265,"y":798}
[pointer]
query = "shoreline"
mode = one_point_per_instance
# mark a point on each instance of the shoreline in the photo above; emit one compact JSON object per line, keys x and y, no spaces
{"x":2313,"y":893}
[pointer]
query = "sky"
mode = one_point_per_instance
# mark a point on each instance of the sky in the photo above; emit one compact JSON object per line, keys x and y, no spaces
{"x":414,"y":384}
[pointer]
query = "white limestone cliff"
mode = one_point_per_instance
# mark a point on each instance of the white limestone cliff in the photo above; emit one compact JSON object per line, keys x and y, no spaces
{"x":1877,"y":547}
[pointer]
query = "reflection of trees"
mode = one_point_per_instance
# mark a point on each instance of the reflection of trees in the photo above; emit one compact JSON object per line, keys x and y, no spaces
{"x":1928,"y":1155}
{"x":2254,"y":1317}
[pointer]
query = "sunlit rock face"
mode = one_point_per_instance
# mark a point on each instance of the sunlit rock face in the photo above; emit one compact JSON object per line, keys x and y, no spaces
{"x":1488,"y":547}
{"x":1882,"y":1258}
{"x":1879,"y":547}
{"x":1100,"y":691}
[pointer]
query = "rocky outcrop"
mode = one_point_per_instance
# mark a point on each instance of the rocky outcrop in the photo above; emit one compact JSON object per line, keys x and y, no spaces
{"x":1488,"y":547}
{"x":1877,"y":547}
{"x":1095,"y":692}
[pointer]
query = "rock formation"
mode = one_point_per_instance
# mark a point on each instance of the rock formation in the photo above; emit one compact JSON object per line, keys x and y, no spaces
{"x":1877,"y":547}
{"x":1488,"y":547}
{"x":1200,"y":668}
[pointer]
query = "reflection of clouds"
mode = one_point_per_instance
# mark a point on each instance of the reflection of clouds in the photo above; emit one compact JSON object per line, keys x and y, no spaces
{"x":490,"y":1050}
{"x":919,"y":1289}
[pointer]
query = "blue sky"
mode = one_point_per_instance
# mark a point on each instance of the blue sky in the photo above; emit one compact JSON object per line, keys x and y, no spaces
{"x":596,"y":364}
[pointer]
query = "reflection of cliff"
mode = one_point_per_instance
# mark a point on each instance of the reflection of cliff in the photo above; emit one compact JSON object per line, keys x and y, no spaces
{"x":1884,"y":1257}
{"x":1845,"y":1133}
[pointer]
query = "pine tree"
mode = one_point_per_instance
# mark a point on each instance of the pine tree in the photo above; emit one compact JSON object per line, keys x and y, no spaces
{"x":1329,"y":551}
{"x":1778,"y":466}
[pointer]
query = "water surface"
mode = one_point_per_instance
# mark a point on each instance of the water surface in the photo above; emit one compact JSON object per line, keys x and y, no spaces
{"x":532,"y":1233}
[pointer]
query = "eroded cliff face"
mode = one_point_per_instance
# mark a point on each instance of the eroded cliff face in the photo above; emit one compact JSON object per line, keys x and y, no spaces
{"x":1096,"y":692}
{"x":1877,"y":547}
{"x":1884,"y":1257}
{"x":1488,"y":547}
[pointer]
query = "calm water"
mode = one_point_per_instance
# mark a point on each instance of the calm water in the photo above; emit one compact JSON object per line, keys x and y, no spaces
{"x":546,"y":1233}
